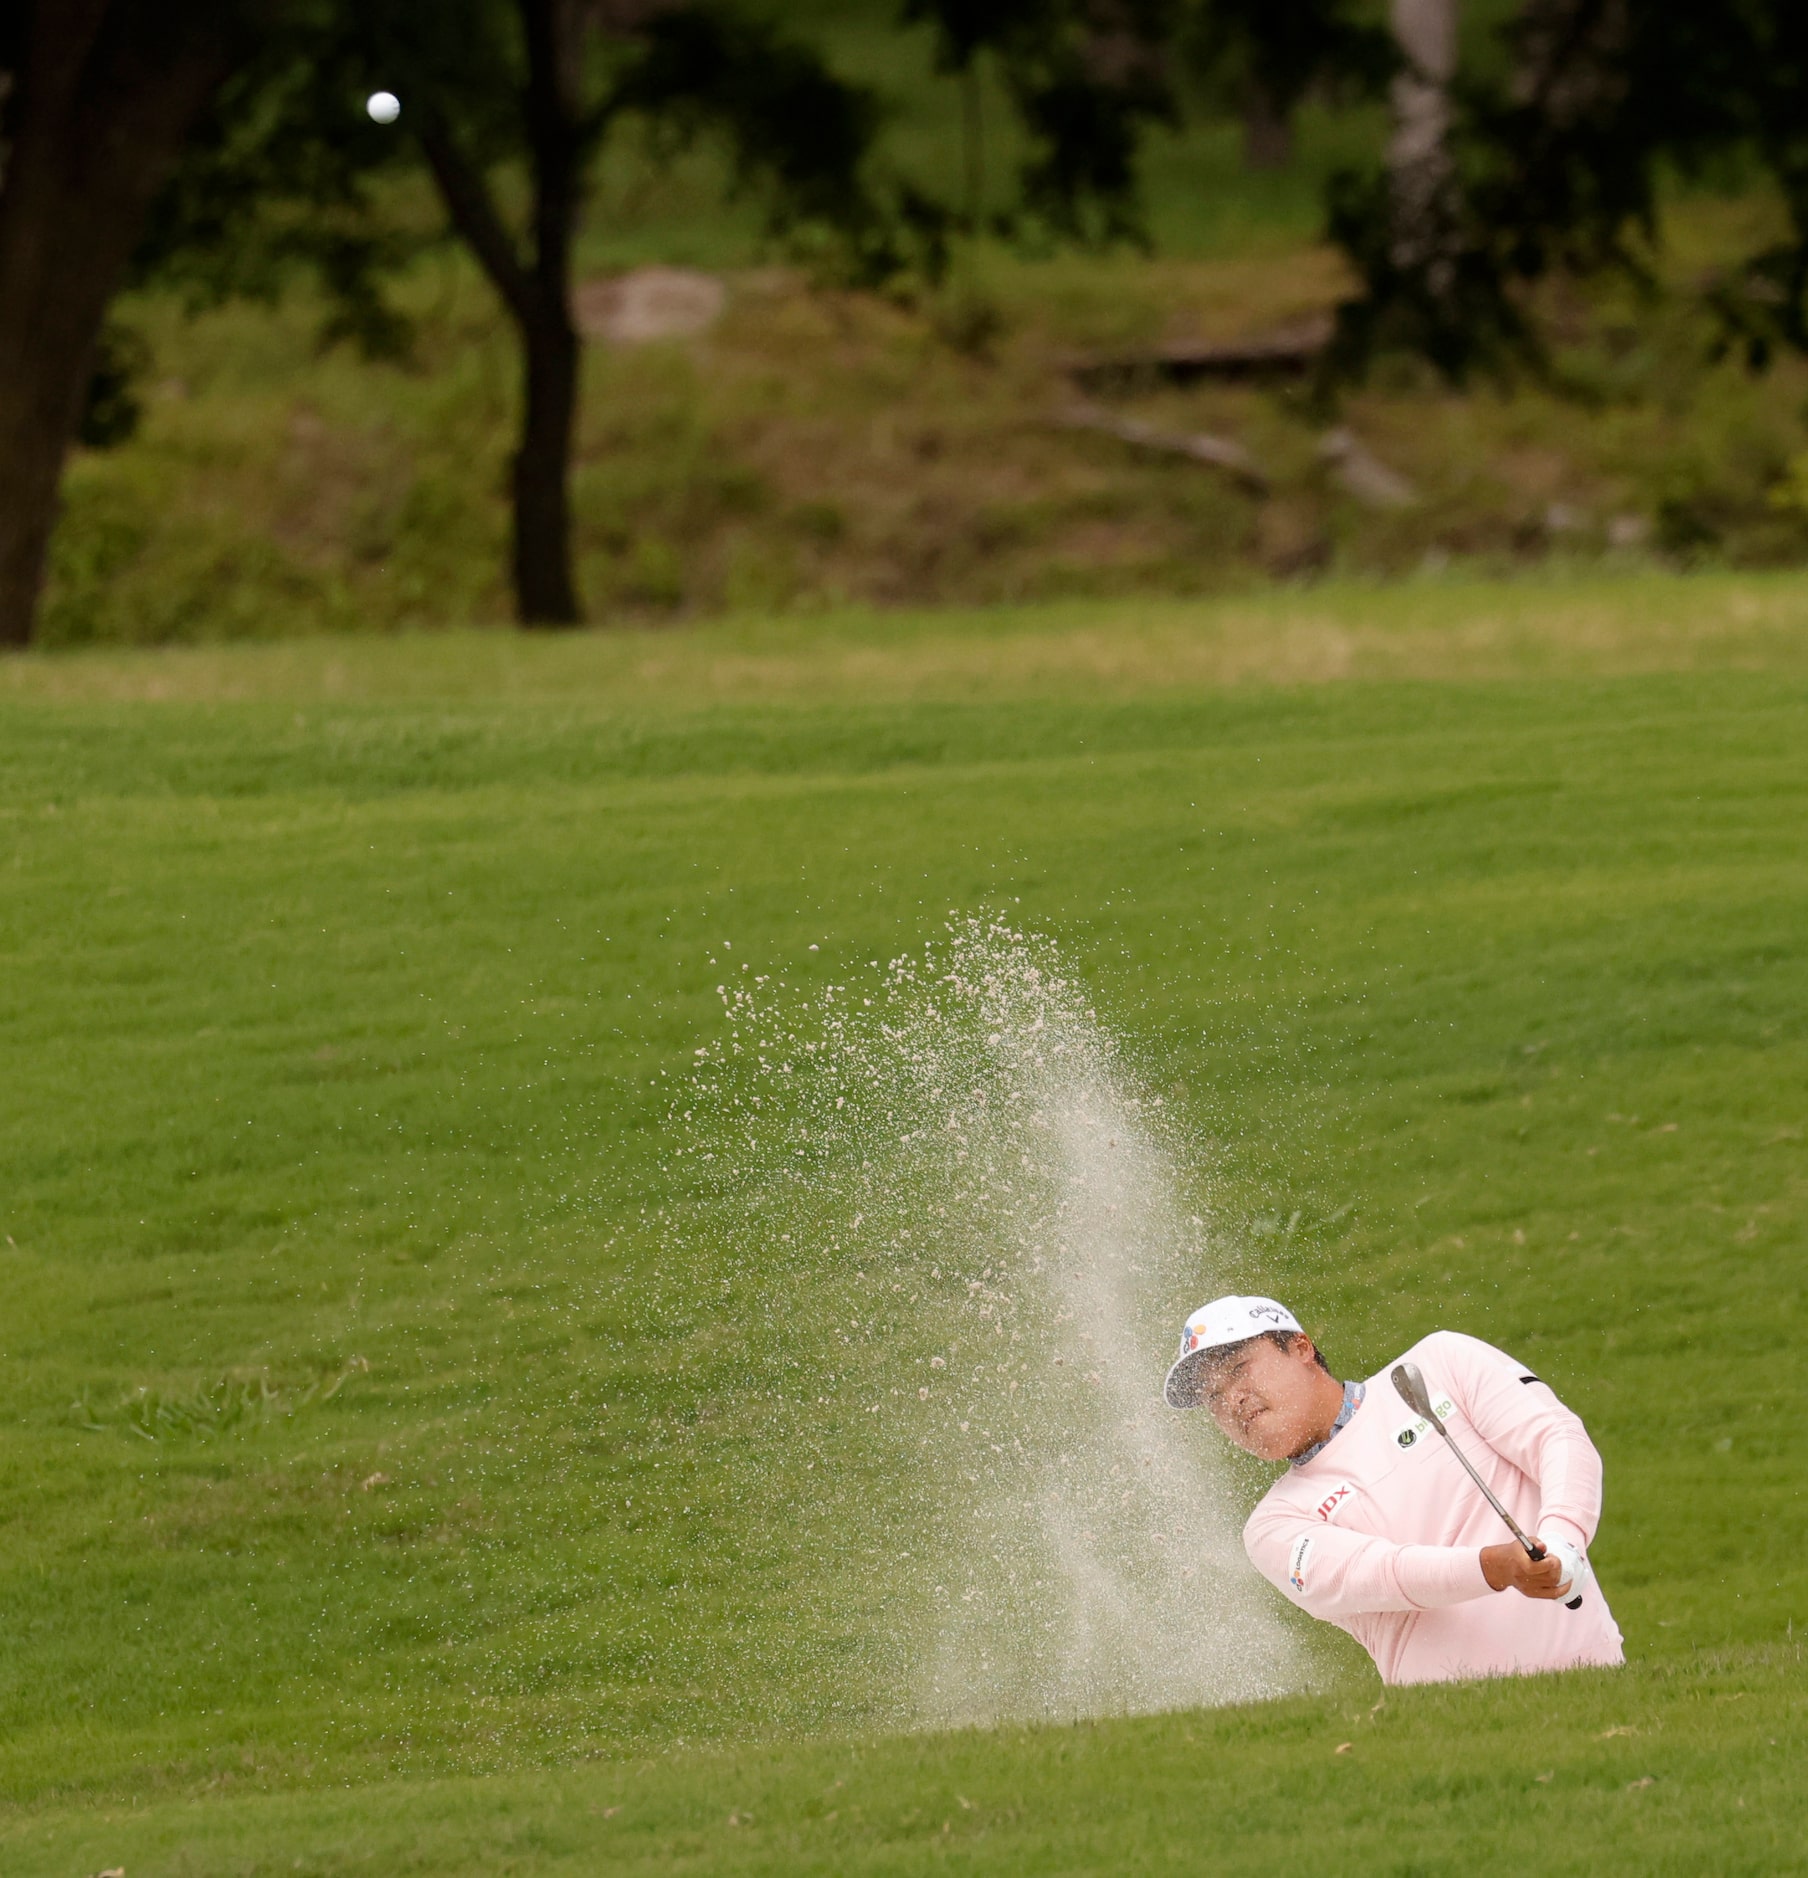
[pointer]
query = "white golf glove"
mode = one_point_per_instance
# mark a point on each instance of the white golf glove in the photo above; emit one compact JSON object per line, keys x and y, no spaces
{"x":1578,"y":1574}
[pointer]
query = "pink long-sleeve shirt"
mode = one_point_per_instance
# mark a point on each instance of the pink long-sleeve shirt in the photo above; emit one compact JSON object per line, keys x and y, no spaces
{"x":1381,"y":1531}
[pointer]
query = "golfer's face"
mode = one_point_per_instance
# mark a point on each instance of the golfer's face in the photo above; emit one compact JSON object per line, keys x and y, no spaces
{"x":1262,"y":1400}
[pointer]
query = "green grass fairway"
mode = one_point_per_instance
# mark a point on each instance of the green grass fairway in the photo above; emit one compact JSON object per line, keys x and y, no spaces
{"x":394,"y":1472}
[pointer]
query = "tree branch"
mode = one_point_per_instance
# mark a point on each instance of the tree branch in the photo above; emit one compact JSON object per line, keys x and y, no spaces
{"x":475,"y":215}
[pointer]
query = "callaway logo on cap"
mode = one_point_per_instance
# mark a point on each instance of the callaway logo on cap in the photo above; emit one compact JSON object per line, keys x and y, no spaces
{"x":1211,"y":1327}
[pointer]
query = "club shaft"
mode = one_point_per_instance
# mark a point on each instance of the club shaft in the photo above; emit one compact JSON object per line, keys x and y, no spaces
{"x":1533,"y":1550}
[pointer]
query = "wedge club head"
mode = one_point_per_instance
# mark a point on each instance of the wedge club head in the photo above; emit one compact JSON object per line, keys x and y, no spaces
{"x":1410,"y":1385}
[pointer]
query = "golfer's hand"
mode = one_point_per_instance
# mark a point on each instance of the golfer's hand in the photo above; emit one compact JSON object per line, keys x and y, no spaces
{"x":1507,"y":1568}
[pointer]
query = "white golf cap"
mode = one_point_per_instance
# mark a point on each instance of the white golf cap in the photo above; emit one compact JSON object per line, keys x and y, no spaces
{"x":1213,"y":1326}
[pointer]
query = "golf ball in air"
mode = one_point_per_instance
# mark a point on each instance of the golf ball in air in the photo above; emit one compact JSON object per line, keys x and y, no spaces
{"x":384,"y":106}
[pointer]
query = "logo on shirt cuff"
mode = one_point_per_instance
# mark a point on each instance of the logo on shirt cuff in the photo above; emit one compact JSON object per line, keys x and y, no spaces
{"x":1296,"y":1563}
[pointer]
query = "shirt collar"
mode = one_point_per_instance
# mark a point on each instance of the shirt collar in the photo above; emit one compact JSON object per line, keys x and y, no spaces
{"x":1353,"y":1392}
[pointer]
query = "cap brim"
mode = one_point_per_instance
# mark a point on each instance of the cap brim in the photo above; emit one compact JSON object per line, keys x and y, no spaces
{"x":1180,"y":1389}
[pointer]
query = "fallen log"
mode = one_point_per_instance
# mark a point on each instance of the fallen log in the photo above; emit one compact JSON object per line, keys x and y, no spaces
{"x":1219,"y":453}
{"x":1288,"y":351}
{"x":1363,"y":473}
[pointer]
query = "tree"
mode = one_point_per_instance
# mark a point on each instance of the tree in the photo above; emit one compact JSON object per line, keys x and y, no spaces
{"x":139,"y":141}
{"x":216,"y":144}
{"x":1422,"y":180}
{"x":517,"y":89}
{"x":101,"y":98}
{"x":1560,"y":153}
{"x":793,"y":128}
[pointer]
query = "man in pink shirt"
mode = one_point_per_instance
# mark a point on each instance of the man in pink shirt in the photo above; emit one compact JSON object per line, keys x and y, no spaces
{"x":1376,"y":1528}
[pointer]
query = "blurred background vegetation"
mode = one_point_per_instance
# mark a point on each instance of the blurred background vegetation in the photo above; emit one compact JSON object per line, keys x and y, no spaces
{"x":802,"y":439}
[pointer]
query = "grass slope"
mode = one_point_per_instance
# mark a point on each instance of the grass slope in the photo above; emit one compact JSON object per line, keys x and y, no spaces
{"x":338,"y":990}
{"x":1642,"y":1771}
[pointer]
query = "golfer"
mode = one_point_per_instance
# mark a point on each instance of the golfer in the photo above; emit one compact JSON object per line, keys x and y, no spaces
{"x":1376,"y":1528}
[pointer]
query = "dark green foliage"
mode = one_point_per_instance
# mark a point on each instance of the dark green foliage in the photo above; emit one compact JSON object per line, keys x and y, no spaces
{"x":281,"y":176}
{"x":1090,"y":82}
{"x":790,"y":123}
{"x":1236,"y":51}
{"x":1563,"y":148}
{"x":284,"y":170}
{"x":1086,"y":135}
{"x":1086,"y":84}
{"x":113,"y":407}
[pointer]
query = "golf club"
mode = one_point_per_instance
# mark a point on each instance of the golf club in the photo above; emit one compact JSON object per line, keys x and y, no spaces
{"x":1412,"y":1391}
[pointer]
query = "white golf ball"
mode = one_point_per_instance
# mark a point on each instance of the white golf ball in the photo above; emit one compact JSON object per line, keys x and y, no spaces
{"x":384,"y":106}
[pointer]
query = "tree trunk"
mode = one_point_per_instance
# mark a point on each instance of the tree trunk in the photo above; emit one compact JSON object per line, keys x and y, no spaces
{"x":1420,"y":166}
{"x":545,"y":593}
{"x":536,"y":289}
{"x":545,"y":590}
{"x":104,"y":97}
